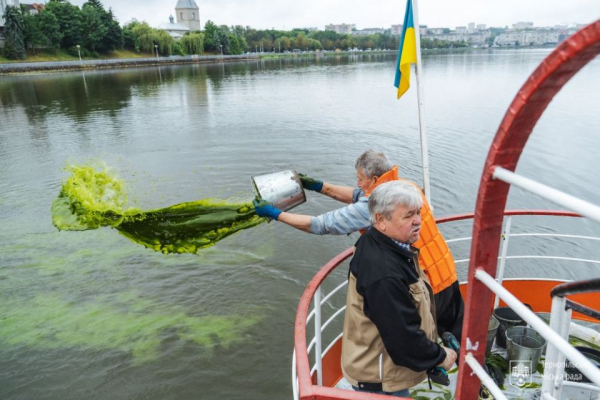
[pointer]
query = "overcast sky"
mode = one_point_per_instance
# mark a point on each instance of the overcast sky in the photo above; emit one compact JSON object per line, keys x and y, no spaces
{"x":287,"y":14}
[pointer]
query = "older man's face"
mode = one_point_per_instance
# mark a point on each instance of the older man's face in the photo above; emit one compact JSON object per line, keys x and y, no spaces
{"x":403,"y":226}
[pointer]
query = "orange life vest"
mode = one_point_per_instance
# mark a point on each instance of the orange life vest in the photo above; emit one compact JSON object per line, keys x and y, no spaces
{"x":435,"y":257}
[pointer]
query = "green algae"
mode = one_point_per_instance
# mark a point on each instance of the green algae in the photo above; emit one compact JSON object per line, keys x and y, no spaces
{"x":92,"y":198}
{"x":50,"y":322}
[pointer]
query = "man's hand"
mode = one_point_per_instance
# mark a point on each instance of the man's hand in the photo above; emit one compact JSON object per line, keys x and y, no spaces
{"x":264,"y":209}
{"x":449,"y":360}
{"x":311,"y":183}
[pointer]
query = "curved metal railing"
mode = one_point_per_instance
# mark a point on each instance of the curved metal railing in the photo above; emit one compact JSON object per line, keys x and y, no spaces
{"x":307,"y":378}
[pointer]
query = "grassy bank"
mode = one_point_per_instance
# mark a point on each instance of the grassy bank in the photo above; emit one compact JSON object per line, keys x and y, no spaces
{"x":63,"y":55}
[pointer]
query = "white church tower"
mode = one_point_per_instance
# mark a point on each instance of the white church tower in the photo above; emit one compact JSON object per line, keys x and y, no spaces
{"x":188,"y":14}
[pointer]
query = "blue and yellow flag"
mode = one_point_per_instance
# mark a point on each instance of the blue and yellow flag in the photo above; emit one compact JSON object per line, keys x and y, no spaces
{"x":407,"y":54}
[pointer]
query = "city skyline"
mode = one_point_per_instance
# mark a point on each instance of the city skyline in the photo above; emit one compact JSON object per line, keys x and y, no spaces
{"x":286,"y":14}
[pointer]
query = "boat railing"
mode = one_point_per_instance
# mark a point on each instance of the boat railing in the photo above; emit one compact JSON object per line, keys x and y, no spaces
{"x":308,"y":378}
{"x":560,"y":319}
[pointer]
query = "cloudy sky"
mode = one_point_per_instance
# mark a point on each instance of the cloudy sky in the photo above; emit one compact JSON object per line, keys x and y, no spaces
{"x":287,"y":14}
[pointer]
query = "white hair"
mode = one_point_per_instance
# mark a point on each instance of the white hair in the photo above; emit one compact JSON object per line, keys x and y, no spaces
{"x":390,"y":195}
{"x":373,"y":164}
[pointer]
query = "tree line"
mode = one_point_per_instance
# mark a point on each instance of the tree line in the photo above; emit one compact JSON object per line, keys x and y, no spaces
{"x":91,"y":30}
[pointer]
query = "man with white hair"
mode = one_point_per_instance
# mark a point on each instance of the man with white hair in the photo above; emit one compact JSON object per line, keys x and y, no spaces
{"x":373,"y":169}
{"x":390,"y":332}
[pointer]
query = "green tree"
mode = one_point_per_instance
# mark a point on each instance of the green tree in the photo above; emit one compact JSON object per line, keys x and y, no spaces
{"x":164,"y":41}
{"x":69,"y":20}
{"x":129,"y":37}
{"x":114,"y":36}
{"x":144,"y":36}
{"x":94,"y":29}
{"x":193,"y":43}
{"x":14,"y":37}
{"x":210,"y":34}
{"x":42,"y":31}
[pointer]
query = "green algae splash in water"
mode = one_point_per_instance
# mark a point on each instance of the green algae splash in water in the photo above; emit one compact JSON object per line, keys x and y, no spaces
{"x":91,"y":198}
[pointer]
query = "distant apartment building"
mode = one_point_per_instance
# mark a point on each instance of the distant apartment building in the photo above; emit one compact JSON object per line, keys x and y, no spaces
{"x":341,"y":28}
{"x":397,"y":30}
{"x":475,"y":39}
{"x":528,"y":38}
{"x":461,"y":29}
{"x":481,"y":27}
{"x":368,"y":31}
{"x":519,"y":26}
{"x":436,"y":31}
{"x":423,"y":30}
{"x":471,"y":27}
{"x":308,"y":28}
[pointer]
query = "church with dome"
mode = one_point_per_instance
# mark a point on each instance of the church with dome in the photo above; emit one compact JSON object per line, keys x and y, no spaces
{"x":187,"y":15}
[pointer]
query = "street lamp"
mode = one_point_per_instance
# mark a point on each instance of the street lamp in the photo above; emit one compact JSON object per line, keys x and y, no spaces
{"x":221,"y":50}
{"x":79,"y":52}
{"x":156,"y":48}
{"x":255,"y":48}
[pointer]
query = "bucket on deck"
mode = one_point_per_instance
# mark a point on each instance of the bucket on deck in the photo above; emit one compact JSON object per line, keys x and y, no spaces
{"x":507,"y":319}
{"x":492,"y":331}
{"x":573,"y":373}
{"x":524,"y":344}
{"x":282,"y":189}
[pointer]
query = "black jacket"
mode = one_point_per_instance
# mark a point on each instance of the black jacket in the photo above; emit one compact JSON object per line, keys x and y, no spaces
{"x":383,"y":272}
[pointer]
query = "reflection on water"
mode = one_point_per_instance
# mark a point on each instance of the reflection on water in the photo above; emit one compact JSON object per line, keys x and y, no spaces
{"x":94,"y":315}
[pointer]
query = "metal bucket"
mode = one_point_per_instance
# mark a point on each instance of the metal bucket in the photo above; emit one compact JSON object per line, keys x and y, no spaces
{"x":492,"y":330}
{"x":282,"y":189}
{"x":507,"y":319}
{"x":524,"y":344}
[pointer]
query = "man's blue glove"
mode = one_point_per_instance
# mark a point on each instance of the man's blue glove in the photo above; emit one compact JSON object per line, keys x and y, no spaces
{"x":264,"y":209}
{"x":311,"y":183}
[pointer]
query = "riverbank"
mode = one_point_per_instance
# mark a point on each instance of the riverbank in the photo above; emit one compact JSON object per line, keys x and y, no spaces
{"x":70,"y":65}
{"x":25,"y":67}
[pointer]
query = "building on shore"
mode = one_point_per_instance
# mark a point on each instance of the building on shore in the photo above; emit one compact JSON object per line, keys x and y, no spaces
{"x":176,"y":30}
{"x":341,"y":28}
{"x":33,"y":9}
{"x":188,"y":14}
{"x":523,"y":25}
{"x":537,"y":37}
{"x":368,"y":31}
{"x":397,"y":30}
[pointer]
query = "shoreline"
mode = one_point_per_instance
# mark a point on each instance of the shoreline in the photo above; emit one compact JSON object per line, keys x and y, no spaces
{"x":85,"y":65}
{"x":7,"y":68}
{"x":21,"y":68}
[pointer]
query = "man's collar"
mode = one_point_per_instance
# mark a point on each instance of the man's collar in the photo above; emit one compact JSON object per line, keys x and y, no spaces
{"x":404,"y":249}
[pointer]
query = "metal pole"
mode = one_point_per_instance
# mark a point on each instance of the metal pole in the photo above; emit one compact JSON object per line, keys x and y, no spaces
{"x":318,"y":349}
{"x":424,"y":148}
{"x":573,"y":203}
{"x":500,"y":273}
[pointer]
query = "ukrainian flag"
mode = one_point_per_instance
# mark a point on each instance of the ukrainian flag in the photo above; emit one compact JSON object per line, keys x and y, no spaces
{"x":407,"y":53}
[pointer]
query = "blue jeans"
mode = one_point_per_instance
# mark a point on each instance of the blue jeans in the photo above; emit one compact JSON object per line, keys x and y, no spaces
{"x":399,"y":393}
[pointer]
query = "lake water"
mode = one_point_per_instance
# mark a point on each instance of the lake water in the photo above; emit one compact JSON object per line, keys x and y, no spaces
{"x":93,"y":315}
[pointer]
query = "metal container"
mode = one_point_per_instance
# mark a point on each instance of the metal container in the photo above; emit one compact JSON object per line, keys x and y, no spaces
{"x":573,"y":373}
{"x":507,"y":319}
{"x":524,"y":344}
{"x":492,"y":330}
{"x":282,"y":189}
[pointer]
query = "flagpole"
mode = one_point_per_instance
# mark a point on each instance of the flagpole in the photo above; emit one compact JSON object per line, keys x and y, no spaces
{"x":424,"y":150}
